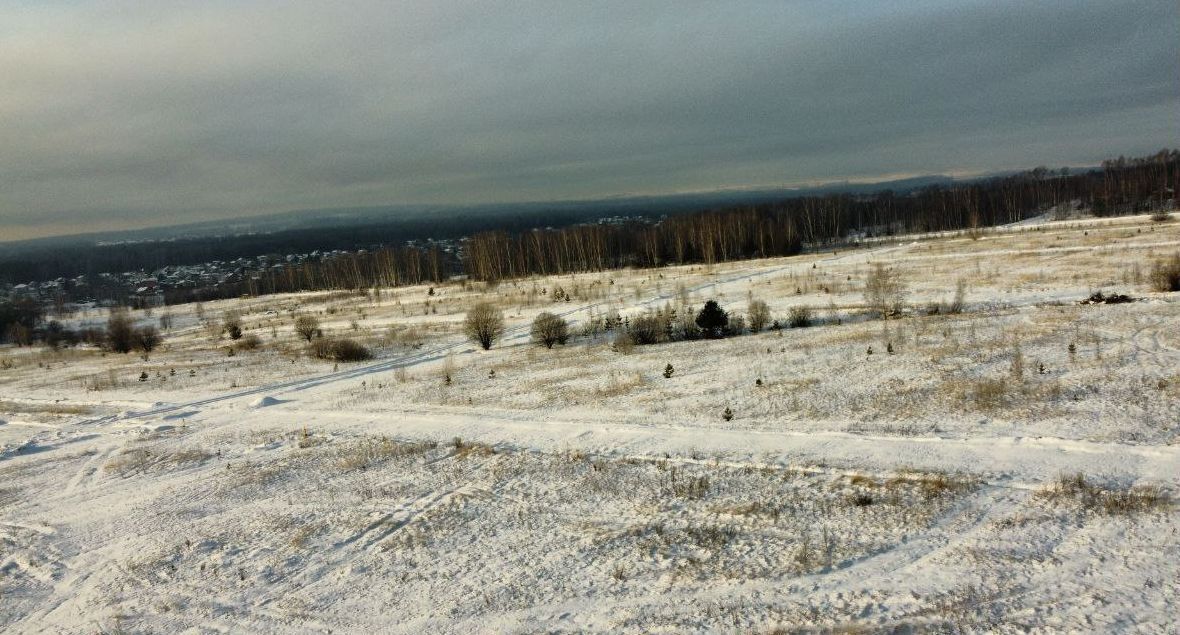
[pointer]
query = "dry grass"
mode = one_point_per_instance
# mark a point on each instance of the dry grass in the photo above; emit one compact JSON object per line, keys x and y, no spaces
{"x":1076,"y":489}
{"x":305,"y":532}
{"x":862,"y":480}
{"x":617,"y":386}
{"x":9,"y":496}
{"x":1165,"y":274}
{"x":466,"y":449}
{"x":755,"y":508}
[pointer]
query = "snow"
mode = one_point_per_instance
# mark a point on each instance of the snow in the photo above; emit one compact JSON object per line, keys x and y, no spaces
{"x":265,"y":402}
{"x":578,"y":489}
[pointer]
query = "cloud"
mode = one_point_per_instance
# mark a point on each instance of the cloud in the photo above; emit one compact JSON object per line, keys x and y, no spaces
{"x":121,"y":114}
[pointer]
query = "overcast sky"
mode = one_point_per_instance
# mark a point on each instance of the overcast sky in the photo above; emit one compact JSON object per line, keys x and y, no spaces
{"x":132,"y":114}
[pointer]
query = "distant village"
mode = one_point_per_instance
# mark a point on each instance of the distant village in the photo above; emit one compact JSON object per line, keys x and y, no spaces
{"x":148,"y":289}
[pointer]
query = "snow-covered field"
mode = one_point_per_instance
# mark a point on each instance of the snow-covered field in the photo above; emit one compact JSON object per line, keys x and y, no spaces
{"x":579,"y":489}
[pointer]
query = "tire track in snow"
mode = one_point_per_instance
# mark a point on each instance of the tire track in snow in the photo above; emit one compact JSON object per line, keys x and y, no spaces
{"x":1021,"y":462}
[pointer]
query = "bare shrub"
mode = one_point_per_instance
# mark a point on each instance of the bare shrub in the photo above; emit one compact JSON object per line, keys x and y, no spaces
{"x":92,"y":336}
{"x":759,"y":313}
{"x":988,"y":392}
{"x":1165,"y":274}
{"x":736,"y":326}
{"x":307,"y":326}
{"x":645,"y":329}
{"x":340,"y":350}
{"x":549,"y":329}
{"x":231,"y":324}
{"x":484,"y":324}
{"x":250,"y":342}
{"x":623,"y":344}
{"x":692,"y":487}
{"x":147,"y":338}
{"x":884,"y":291}
{"x":960,"y":299}
{"x":57,"y":336}
{"x":409,"y":336}
{"x":799,"y":317}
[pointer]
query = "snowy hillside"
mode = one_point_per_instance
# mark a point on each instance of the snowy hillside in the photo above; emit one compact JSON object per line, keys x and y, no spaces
{"x":1010,"y":466}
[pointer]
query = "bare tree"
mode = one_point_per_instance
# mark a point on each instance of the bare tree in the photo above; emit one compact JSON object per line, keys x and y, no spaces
{"x":549,"y":329}
{"x":120,"y":332}
{"x":759,"y":315}
{"x":307,"y":326}
{"x":484,"y":324}
{"x":884,"y":291}
{"x":19,"y":334}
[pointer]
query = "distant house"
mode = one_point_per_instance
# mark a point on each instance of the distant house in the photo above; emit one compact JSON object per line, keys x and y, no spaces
{"x":147,"y":297}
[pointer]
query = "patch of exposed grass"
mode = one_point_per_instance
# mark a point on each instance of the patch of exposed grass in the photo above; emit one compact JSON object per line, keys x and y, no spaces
{"x":369,"y":452}
{"x":44,"y":408}
{"x":142,"y":459}
{"x":931,"y":484}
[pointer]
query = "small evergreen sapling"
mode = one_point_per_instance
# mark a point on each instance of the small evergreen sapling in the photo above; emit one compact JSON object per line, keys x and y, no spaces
{"x":712,"y":319}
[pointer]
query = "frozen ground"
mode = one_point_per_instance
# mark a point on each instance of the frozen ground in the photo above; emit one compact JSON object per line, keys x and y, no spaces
{"x":578,"y":489}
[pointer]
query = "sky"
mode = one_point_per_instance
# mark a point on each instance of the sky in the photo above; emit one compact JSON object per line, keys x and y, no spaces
{"x":121,"y":115}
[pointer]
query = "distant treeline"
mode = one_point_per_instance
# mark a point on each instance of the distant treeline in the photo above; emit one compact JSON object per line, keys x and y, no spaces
{"x":1122,"y":186}
{"x":507,"y":247}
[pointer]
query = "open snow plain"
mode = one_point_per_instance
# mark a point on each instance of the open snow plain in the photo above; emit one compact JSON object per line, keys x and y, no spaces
{"x":1009,"y":468}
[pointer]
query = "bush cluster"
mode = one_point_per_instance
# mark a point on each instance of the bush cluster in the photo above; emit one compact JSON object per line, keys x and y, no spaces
{"x":340,"y":350}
